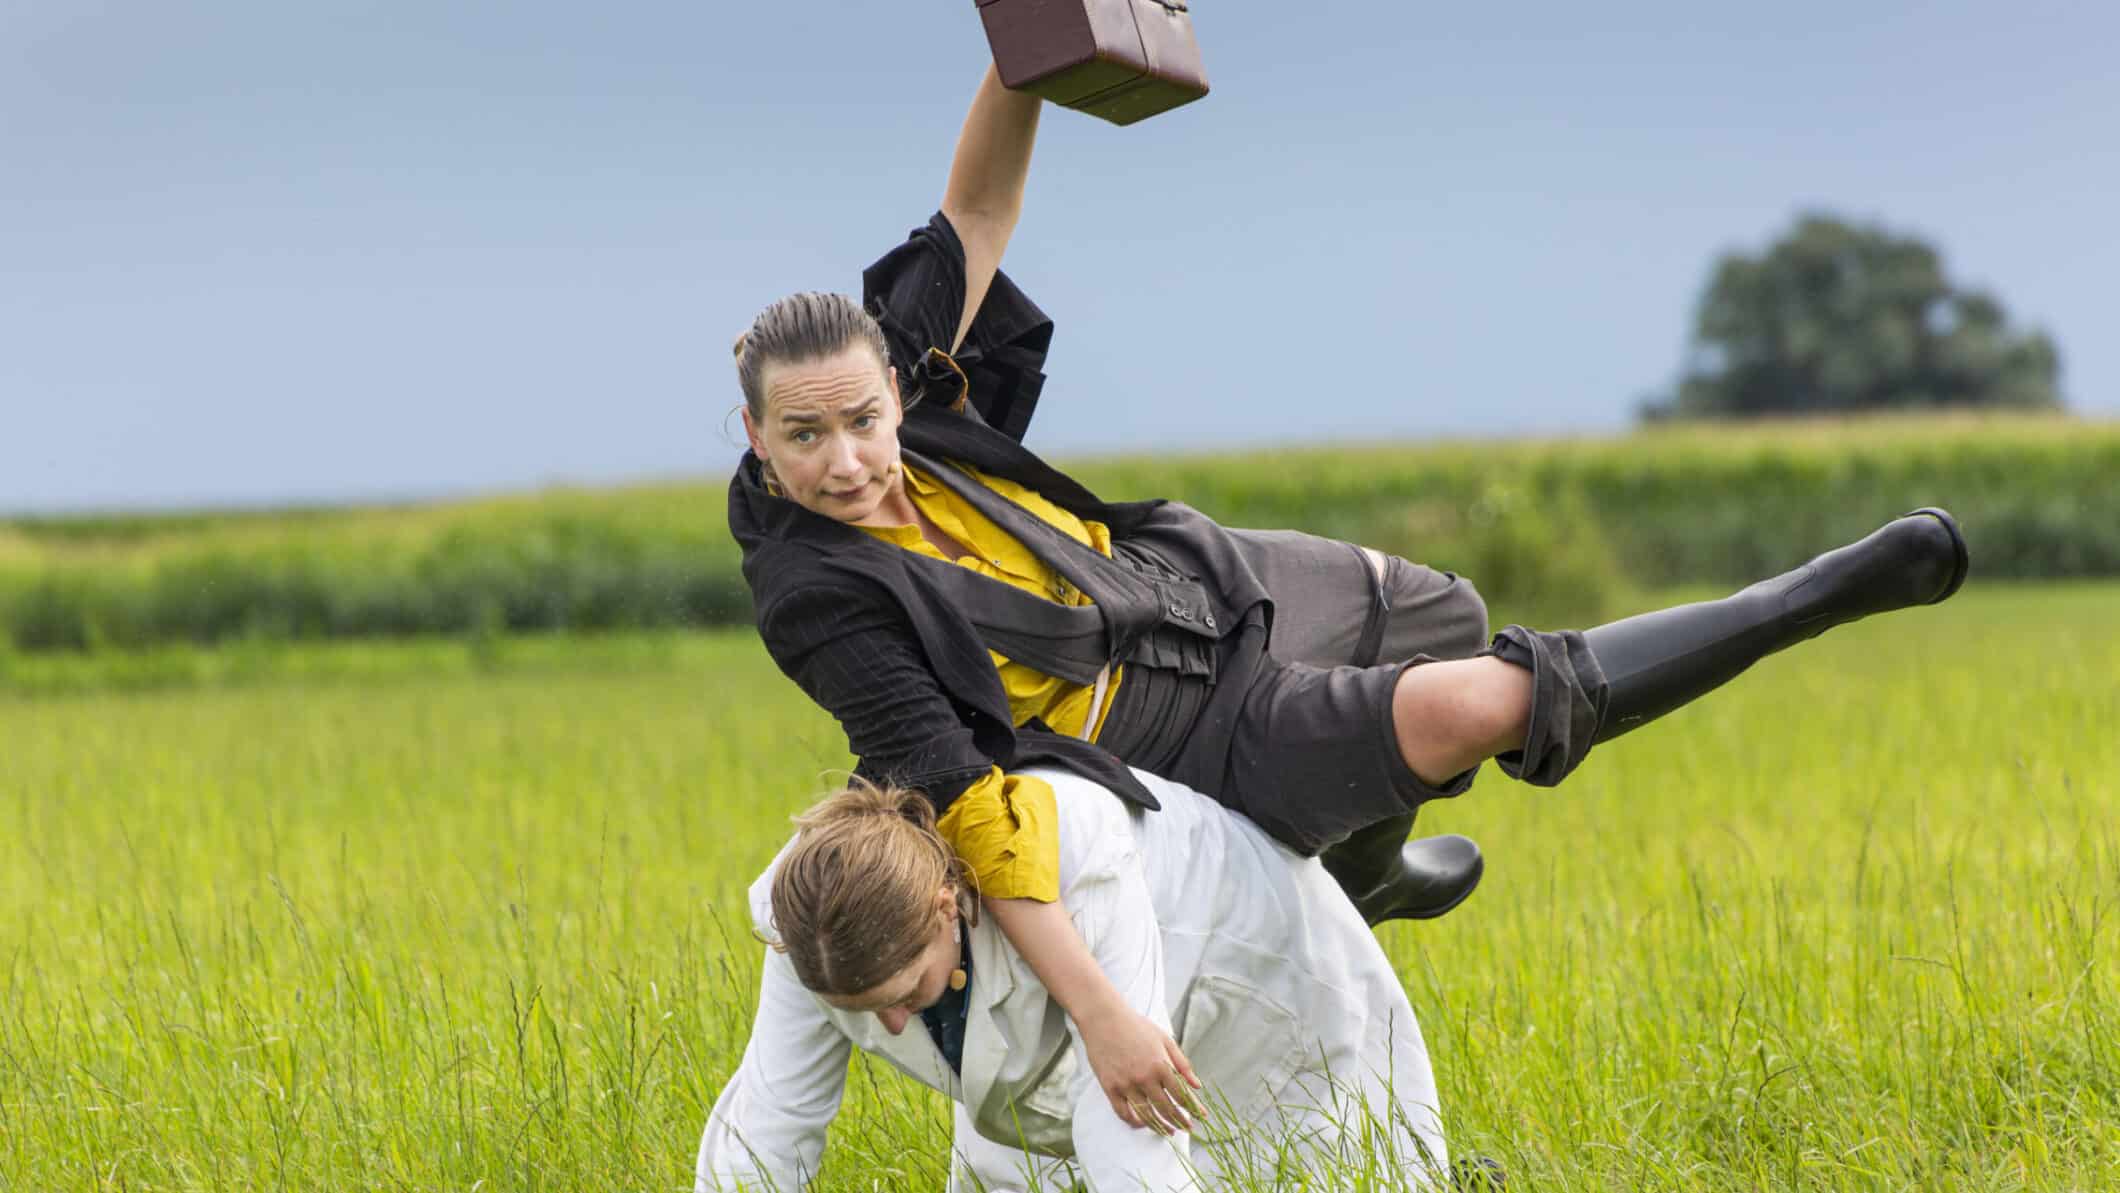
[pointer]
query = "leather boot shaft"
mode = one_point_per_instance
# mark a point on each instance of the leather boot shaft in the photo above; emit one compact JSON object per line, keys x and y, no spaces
{"x":1591,"y":686}
{"x":1655,"y":662}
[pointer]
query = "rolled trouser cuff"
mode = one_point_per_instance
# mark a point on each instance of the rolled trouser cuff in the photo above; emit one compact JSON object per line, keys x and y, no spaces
{"x":1568,"y":698}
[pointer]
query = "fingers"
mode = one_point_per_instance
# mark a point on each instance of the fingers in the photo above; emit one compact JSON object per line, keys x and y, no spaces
{"x":1154,"y":1114}
{"x":1191,"y":1102}
{"x":1173,"y":1096}
{"x":1146,"y":1077}
{"x":1184,"y":1081}
{"x":1164,"y":1105}
{"x":1178,"y":1062}
{"x":1170,"y":1116}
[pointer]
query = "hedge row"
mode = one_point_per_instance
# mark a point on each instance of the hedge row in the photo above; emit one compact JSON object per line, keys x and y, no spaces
{"x":1574,"y":526}
{"x":553,"y":571}
{"x":2040,"y":498}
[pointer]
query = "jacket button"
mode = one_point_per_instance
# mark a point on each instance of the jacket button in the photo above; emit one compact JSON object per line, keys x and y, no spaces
{"x":1210,"y":621}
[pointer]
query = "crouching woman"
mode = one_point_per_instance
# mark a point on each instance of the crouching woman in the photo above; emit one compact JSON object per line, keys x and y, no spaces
{"x":1246,"y":953}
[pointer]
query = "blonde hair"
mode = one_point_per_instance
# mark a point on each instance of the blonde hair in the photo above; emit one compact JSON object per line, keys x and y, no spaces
{"x":854,"y":898}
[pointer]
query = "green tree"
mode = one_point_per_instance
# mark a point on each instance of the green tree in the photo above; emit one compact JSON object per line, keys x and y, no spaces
{"x":1838,"y":317}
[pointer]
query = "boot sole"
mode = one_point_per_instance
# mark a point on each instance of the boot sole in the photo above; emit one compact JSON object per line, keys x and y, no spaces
{"x":1964,"y":561}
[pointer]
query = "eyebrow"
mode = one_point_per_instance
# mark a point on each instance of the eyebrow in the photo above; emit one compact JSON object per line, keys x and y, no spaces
{"x":848,"y":411}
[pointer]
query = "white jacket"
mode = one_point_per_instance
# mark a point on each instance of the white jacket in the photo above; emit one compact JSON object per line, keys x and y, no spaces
{"x":1248,"y":953}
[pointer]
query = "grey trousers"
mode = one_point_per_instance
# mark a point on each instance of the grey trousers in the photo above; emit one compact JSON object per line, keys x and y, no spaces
{"x":1340,"y":605}
{"x":1297,"y":732}
{"x":1322,"y":597}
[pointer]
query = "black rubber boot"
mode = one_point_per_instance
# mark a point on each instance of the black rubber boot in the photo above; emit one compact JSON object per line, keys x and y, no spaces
{"x":1658,"y":661}
{"x":1388,"y":877}
{"x":1590,"y":686}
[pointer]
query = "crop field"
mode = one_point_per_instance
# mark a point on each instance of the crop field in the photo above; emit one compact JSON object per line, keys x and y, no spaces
{"x":1546,"y":525}
{"x":468,"y":916}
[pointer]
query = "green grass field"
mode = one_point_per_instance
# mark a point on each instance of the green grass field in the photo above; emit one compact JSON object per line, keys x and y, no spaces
{"x":468,"y":917}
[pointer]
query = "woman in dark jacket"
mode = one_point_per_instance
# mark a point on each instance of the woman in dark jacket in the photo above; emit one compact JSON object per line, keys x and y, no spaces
{"x":966,"y":611}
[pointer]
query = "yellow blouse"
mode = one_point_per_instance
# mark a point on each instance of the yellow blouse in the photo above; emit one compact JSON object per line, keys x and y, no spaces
{"x":1004,"y":825}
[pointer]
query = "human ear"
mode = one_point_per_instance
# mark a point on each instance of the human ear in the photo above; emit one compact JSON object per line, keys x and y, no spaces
{"x":946,"y":902}
{"x":751,"y":432}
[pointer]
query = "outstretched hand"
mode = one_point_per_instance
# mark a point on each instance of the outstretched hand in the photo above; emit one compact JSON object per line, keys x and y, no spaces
{"x":1142,"y":1071}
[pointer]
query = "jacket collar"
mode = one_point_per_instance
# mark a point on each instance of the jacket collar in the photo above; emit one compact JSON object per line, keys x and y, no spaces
{"x":757,"y":516}
{"x":945,"y":434}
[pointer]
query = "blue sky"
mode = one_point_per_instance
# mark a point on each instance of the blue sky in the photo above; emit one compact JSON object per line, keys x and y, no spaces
{"x":261,"y":252}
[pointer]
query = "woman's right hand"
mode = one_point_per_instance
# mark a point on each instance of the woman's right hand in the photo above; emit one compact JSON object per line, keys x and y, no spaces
{"x":1140,"y":1068}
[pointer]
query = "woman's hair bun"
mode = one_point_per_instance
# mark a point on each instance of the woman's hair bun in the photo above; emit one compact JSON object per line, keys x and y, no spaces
{"x":736,"y":349}
{"x":911,"y":805}
{"x":862,"y":798}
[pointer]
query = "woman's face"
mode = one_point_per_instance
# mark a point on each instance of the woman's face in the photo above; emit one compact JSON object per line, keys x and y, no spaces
{"x":830,"y":432}
{"x":918,"y":986}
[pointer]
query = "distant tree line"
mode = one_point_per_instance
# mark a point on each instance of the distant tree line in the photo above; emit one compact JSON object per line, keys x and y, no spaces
{"x":1837,"y":317}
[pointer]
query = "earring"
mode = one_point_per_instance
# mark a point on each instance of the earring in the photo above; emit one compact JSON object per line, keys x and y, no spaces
{"x":957,"y":979}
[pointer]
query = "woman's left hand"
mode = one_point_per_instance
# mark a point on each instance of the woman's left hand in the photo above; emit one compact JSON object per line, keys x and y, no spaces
{"x":1141,"y":1069}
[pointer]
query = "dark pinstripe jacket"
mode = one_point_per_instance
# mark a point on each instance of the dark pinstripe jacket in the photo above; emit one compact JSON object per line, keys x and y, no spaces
{"x":865,"y":630}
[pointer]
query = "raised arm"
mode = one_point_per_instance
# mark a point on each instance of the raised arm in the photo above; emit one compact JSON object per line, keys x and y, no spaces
{"x":984,"y":197}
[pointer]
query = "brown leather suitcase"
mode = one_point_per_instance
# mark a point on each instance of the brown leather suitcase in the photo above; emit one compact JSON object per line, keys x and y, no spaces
{"x":1120,"y":60}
